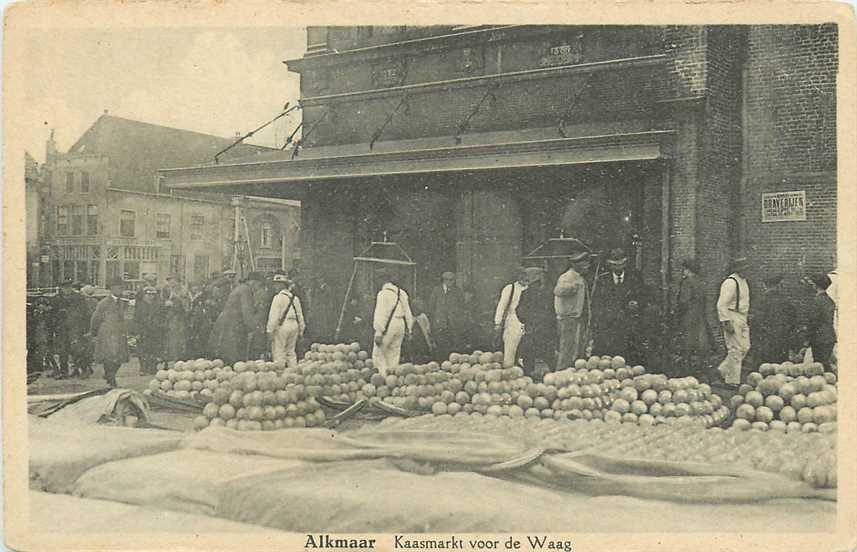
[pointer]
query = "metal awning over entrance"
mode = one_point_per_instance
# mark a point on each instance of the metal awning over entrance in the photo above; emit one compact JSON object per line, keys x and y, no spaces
{"x":287,"y":177}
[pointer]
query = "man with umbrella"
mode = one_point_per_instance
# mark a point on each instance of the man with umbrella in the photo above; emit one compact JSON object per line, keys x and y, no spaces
{"x":616,"y":307}
{"x":572,"y":306}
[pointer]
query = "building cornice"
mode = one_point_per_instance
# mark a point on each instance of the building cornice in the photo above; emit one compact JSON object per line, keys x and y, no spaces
{"x":485,"y":80}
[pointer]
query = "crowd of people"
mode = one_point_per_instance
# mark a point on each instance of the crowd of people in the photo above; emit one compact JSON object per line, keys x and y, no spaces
{"x":539,"y":325}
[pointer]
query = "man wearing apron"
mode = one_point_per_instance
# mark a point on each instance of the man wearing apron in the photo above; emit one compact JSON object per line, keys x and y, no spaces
{"x":506,"y":319}
{"x":286,"y":322}
{"x":392,"y":321}
{"x":733,"y":305}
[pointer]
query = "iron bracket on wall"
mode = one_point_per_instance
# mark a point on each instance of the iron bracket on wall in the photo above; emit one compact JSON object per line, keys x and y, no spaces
{"x":380,"y":130}
{"x":465,"y":123}
{"x":575,"y":102}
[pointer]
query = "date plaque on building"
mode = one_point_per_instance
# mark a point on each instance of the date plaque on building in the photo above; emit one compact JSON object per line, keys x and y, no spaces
{"x":566,"y":52}
{"x":390,"y":72}
{"x":470,"y":60}
{"x":784,"y":206}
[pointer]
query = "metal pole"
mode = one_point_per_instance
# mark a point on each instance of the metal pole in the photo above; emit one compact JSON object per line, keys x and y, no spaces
{"x":345,"y":303}
{"x":235,"y":234}
{"x":283,"y":251}
{"x":249,"y":247}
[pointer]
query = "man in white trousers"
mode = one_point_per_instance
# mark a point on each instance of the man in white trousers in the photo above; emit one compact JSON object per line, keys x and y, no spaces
{"x":506,"y":318}
{"x":392,"y":322}
{"x":286,"y":322}
{"x":733,"y":307}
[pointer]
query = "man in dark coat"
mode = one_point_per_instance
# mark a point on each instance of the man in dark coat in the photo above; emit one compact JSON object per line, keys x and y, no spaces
{"x":111,"y":332}
{"x":71,"y":325}
{"x":774,"y":322}
{"x":689,"y":319}
{"x":616,"y":305}
{"x":446,"y":310}
{"x":238,"y":323}
{"x":300,"y":292}
{"x":821,"y":333}
{"x":536,"y":312}
{"x":326,"y":308}
{"x":149,"y":323}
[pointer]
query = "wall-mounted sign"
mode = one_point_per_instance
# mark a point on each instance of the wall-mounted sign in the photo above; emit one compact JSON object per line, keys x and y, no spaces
{"x":784,"y":206}
{"x":566,"y":52}
{"x":45,"y":259}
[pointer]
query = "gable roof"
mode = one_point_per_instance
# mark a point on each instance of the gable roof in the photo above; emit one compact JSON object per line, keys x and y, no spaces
{"x":136,"y":150}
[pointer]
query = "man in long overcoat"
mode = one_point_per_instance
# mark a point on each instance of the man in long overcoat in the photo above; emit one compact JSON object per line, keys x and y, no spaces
{"x":536,"y":312}
{"x":71,"y":325}
{"x":111,"y":332}
{"x":616,"y":307}
{"x":446,"y":310}
{"x":239,"y":321}
{"x":176,"y":305}
{"x":690,"y":319}
{"x":774,"y":323}
{"x":149,"y":323}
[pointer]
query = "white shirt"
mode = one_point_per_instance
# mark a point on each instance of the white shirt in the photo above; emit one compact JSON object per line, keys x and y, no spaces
{"x":726,"y":301}
{"x":279,"y":305}
{"x":508,"y":304}
{"x":385,"y":303}
{"x":618,"y":278}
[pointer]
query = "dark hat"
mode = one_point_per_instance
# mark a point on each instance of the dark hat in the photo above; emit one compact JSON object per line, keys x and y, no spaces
{"x":691,"y":264}
{"x":67,"y":282}
{"x":820,"y":280}
{"x":77,"y":285}
{"x":772,"y":279}
{"x":740,"y":263}
{"x":617,"y":257}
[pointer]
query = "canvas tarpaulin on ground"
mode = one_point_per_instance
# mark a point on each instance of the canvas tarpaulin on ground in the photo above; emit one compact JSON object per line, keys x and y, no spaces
{"x":61,"y":452}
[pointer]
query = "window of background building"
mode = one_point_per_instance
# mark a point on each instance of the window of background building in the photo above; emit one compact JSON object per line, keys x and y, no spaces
{"x":177,"y":265}
{"x":113,"y":271}
{"x":93,"y":273}
{"x":68,"y":270}
{"x":77,"y":220}
{"x":162,"y":225}
{"x":91,"y":220}
{"x":84,"y":182}
{"x":69,"y":182}
{"x":267,"y":235}
{"x":197,"y":222}
{"x":131,"y":270}
{"x":200,"y":268}
{"x":82,"y":271}
{"x":127,"y":220}
{"x":62,"y":220}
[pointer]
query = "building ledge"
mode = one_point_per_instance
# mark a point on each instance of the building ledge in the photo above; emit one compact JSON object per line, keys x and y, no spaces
{"x":624,"y":147}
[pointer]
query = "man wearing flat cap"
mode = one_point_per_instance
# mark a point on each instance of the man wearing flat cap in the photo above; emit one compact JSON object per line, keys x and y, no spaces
{"x":733,"y":308}
{"x":573,"y":314}
{"x":820,"y":322}
{"x":616,"y":309}
{"x":536,"y":313}
{"x":774,"y":323}
{"x":506,"y":322}
{"x":235,"y":327}
{"x":447,"y":315}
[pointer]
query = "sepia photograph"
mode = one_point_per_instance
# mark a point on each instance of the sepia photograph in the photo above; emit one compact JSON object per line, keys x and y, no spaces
{"x":316,"y":284}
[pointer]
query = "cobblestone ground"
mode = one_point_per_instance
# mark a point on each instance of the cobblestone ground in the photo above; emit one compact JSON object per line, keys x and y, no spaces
{"x":128,"y":377}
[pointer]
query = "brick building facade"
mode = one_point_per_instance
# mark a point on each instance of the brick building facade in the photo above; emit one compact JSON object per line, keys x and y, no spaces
{"x":469,"y":146}
{"x":104,"y":217}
